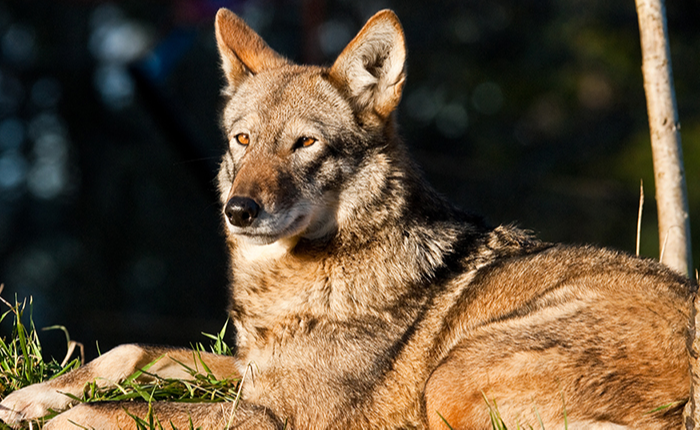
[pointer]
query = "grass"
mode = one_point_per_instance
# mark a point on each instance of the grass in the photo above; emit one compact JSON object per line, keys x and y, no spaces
{"x":21,"y":360}
{"x":23,"y":363}
{"x":497,"y":422}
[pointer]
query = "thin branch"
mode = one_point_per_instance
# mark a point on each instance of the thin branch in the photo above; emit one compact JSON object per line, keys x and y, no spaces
{"x":639,"y":215}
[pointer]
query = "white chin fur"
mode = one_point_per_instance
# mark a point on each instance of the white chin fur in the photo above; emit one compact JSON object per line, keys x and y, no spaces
{"x":253,"y":251}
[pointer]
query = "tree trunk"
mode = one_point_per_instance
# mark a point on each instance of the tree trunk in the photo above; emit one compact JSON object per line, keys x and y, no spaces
{"x":671,"y":193}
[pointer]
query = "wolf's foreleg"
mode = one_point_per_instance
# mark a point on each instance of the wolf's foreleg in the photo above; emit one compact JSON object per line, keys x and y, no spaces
{"x":109,"y":369}
{"x":205,"y":416}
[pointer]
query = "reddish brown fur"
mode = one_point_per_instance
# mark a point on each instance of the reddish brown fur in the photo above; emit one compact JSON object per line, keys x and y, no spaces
{"x":364,"y":300}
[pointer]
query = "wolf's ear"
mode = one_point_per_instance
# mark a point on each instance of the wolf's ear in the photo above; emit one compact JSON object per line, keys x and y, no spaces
{"x":242,"y":50}
{"x":371,"y":68}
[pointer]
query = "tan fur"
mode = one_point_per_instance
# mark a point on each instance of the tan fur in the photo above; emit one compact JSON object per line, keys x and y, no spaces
{"x":363,"y":300}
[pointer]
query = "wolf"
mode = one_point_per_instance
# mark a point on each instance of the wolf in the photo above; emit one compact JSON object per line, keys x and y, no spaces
{"x":364,"y":300}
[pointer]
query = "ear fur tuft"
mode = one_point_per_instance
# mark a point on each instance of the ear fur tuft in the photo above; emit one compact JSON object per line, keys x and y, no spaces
{"x":371,"y":69}
{"x":243,"y":52}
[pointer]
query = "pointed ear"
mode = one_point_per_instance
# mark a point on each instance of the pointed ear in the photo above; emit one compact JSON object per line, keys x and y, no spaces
{"x":371,"y":69}
{"x":242,"y":50}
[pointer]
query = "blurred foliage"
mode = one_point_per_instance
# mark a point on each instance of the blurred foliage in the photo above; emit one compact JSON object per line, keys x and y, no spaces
{"x":526,"y":111}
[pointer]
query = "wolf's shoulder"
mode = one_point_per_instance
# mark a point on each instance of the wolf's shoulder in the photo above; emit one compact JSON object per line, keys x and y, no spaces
{"x":517,"y":256}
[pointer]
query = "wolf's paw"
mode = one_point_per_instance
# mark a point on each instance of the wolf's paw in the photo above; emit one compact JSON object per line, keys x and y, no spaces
{"x":32,"y":402}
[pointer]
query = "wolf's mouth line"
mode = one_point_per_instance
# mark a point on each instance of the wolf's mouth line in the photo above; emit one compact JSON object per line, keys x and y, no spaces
{"x":288,"y":230}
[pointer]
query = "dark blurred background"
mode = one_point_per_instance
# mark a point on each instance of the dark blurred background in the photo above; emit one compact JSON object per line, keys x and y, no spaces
{"x":528,"y":111}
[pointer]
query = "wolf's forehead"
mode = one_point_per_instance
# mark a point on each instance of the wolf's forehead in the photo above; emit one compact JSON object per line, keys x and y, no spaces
{"x":280,"y":95}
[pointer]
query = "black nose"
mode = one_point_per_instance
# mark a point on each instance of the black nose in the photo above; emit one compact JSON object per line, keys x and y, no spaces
{"x":241,"y":211}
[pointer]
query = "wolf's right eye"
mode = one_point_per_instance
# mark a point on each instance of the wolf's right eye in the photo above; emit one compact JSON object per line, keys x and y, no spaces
{"x":304,"y":142}
{"x":242,"y":139}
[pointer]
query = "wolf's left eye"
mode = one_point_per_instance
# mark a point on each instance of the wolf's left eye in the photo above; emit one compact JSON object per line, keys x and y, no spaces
{"x":304,"y":142}
{"x":242,"y":139}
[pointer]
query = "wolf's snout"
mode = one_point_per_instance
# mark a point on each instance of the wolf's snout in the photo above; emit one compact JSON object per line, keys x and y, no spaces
{"x":241,"y":211}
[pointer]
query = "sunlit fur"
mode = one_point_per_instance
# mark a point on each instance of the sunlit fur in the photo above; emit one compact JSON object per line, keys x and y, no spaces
{"x":363,"y":300}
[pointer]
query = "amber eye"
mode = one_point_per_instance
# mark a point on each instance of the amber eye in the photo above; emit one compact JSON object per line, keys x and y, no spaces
{"x":305,"y":142}
{"x":243,"y":138}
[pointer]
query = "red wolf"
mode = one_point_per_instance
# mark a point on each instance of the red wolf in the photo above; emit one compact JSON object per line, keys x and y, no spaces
{"x":362,"y":299}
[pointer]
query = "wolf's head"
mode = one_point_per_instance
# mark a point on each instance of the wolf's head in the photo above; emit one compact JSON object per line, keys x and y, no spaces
{"x":306,"y":145}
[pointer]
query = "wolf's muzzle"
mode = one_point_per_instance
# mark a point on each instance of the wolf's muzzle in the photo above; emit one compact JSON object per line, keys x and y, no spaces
{"x":241,"y":211}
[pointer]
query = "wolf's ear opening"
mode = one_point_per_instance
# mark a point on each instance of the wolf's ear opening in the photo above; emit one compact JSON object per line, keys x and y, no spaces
{"x":371,"y":69}
{"x":243,"y":52}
